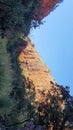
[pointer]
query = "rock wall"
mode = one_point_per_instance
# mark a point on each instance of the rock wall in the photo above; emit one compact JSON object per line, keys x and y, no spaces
{"x":36,"y":72}
{"x":46,"y":7}
{"x":42,"y":91}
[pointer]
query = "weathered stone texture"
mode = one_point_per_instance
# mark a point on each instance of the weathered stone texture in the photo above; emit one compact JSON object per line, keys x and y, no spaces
{"x":41,"y":89}
{"x":36,"y":72}
{"x":46,"y":7}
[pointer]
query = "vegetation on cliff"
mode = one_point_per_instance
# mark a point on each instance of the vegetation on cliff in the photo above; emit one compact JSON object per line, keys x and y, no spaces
{"x":5,"y":77}
{"x":45,"y":114}
{"x":21,"y":15}
{"x":14,"y":106}
{"x":16,"y":93}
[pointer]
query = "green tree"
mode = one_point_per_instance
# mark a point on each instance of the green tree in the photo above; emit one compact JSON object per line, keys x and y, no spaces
{"x":14,"y":106}
{"x":15,"y":18}
{"x":17,"y":15}
{"x":60,"y":109}
{"x":5,"y":77}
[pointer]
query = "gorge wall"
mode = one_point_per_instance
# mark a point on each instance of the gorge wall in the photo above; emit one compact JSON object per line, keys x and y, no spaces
{"x":42,"y":91}
{"x":33,"y":67}
{"x":46,"y":7}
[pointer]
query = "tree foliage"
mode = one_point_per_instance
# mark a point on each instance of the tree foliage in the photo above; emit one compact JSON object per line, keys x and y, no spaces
{"x":17,"y":14}
{"x":16,"y":94}
{"x":21,"y":15}
{"x":14,"y":115}
{"x":5,"y":78}
{"x":14,"y":88}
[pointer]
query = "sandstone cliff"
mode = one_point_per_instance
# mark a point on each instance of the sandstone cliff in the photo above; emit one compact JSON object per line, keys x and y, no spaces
{"x":34,"y":95}
{"x":46,"y":7}
{"x":42,"y":91}
{"x":33,"y":67}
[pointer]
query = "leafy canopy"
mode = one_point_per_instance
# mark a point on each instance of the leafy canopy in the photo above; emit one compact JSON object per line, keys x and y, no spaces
{"x":17,"y":14}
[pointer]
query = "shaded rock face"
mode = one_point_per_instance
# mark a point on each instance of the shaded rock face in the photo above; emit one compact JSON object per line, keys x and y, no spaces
{"x":46,"y":7}
{"x":42,"y":91}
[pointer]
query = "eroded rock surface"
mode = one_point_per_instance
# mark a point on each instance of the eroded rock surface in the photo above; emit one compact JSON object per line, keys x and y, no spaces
{"x":46,"y":7}
{"x":42,"y":91}
{"x":36,"y":72}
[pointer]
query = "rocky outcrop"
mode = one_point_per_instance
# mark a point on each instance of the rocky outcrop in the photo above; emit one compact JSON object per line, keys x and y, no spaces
{"x":42,"y":91}
{"x":46,"y":7}
{"x":33,"y":68}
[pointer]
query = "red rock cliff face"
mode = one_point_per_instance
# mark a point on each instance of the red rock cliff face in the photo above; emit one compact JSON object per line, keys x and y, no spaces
{"x":46,"y":7}
{"x":36,"y":72}
{"x":34,"y":68}
{"x":39,"y":80}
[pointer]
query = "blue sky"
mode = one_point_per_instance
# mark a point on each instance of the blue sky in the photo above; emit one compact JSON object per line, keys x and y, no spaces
{"x":54,"y":42}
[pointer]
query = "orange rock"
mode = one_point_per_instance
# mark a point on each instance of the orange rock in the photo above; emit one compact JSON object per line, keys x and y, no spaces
{"x":42,"y":91}
{"x":37,"y":74}
{"x":46,"y":7}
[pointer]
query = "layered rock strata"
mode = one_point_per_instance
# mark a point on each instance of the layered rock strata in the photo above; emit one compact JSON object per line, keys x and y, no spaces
{"x":36,"y":72}
{"x":46,"y":7}
{"x":42,"y":91}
